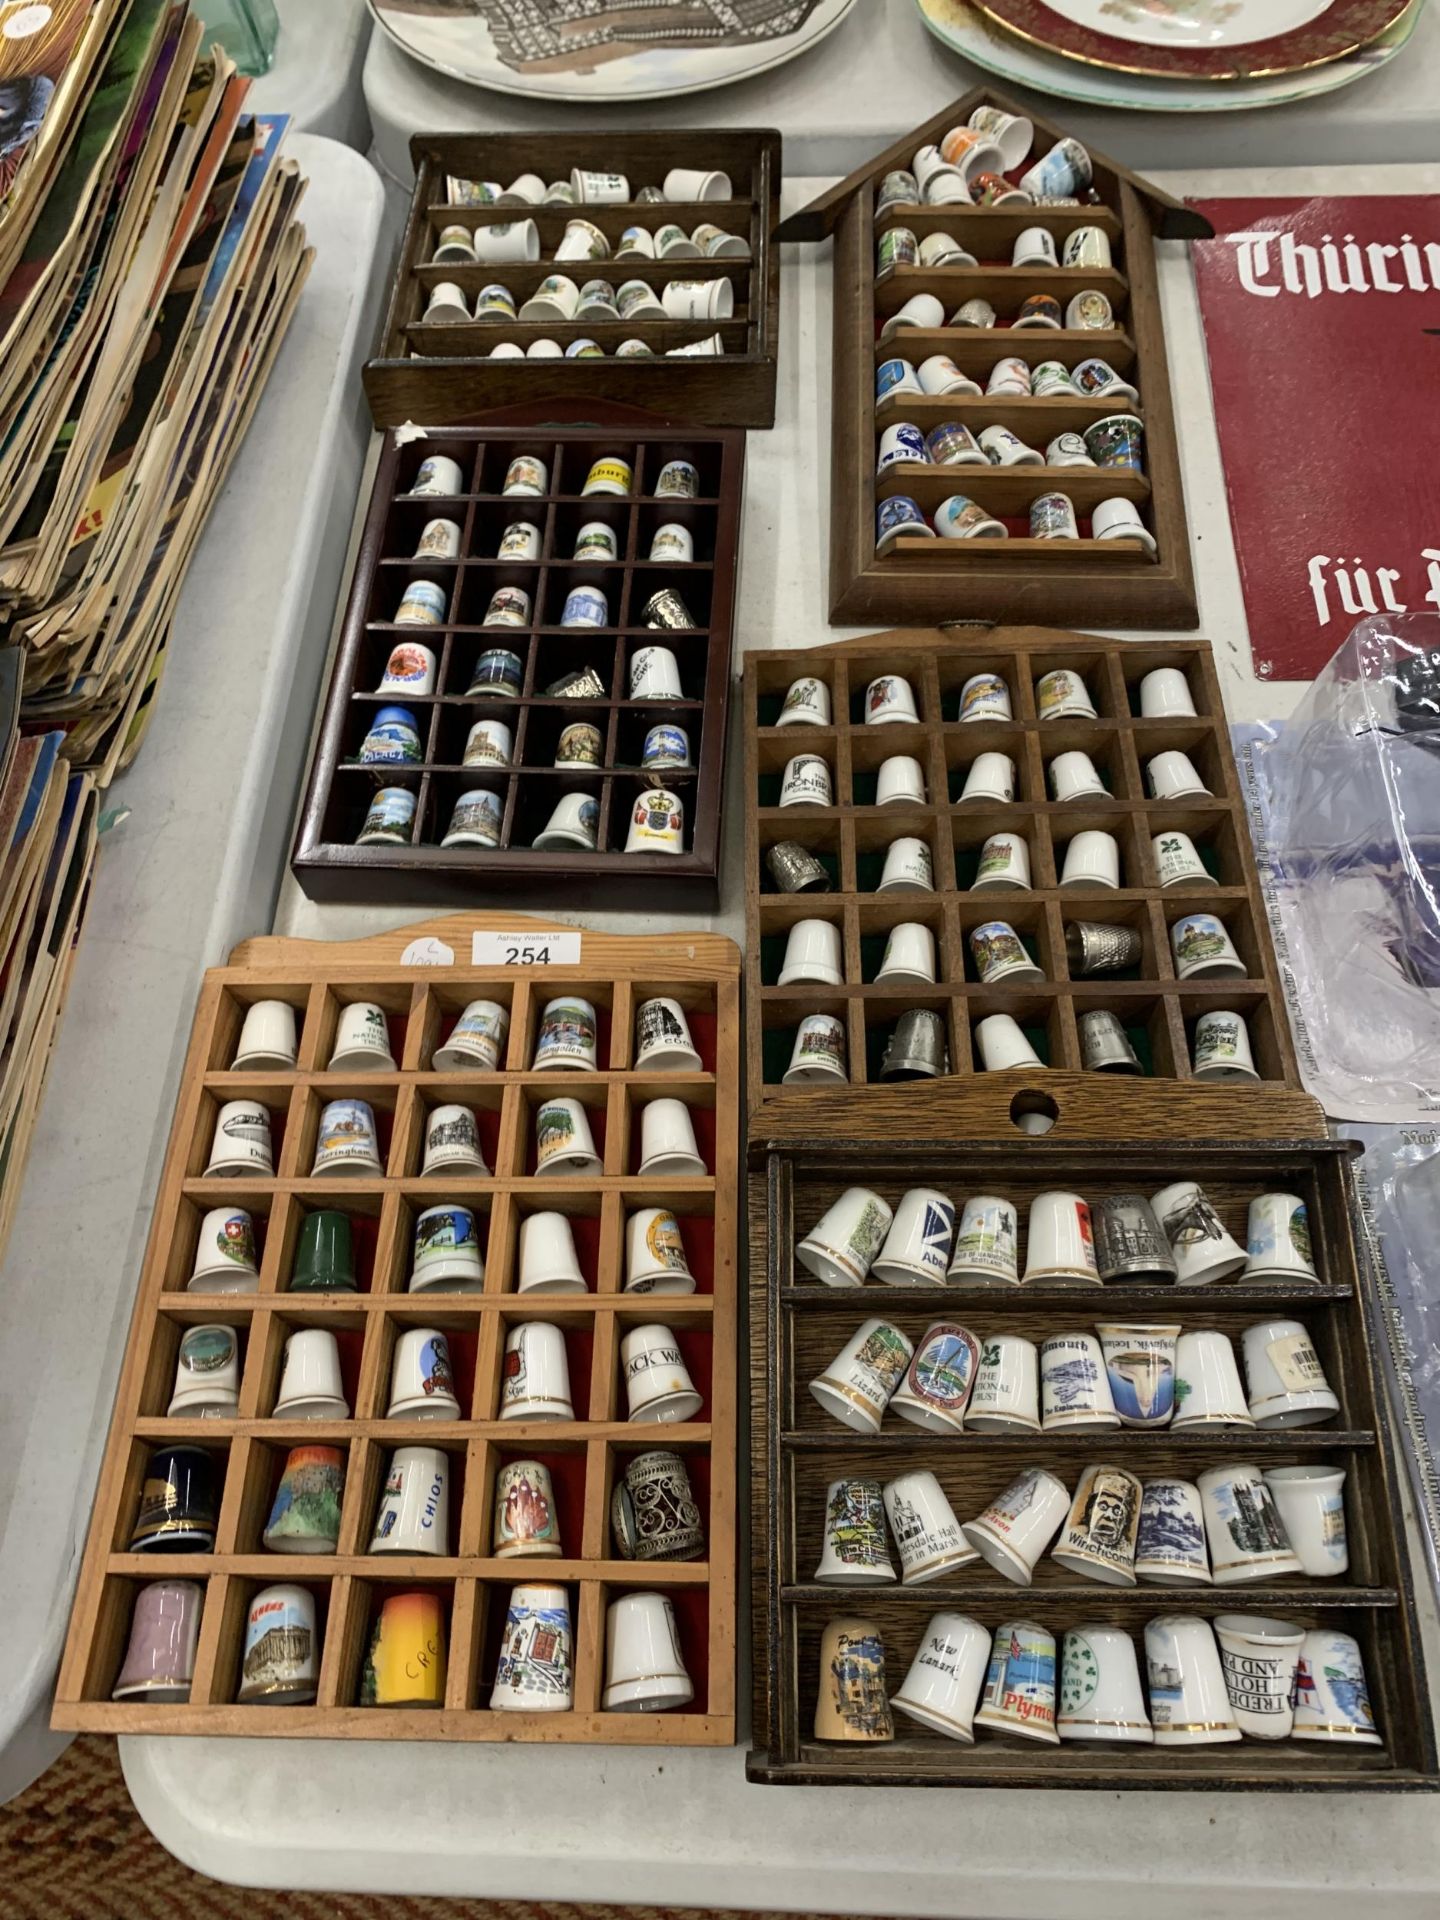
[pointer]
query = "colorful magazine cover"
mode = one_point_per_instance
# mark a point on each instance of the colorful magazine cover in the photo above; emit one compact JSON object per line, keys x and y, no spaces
{"x":36,"y":44}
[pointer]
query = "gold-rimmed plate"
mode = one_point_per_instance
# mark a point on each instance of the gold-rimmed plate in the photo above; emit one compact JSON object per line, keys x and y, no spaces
{"x":1198,"y":40}
{"x":961,"y":26}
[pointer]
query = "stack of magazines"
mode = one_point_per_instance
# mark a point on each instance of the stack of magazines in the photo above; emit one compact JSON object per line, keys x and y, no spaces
{"x":151,"y":259}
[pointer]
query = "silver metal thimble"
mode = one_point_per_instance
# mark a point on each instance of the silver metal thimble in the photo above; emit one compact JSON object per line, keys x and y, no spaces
{"x":1129,"y":1244}
{"x":1095,"y":948}
{"x":916,"y":1050}
{"x":1105,"y":1046}
{"x":666,"y":609}
{"x":582,"y":683}
{"x":796,"y":870}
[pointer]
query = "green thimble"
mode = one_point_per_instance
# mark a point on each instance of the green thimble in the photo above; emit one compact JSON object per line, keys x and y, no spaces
{"x":325,"y":1261}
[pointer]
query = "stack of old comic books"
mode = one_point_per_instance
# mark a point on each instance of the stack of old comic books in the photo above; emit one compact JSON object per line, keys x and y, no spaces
{"x":150,"y":261}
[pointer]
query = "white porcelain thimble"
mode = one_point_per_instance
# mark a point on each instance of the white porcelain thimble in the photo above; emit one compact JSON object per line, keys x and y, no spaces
{"x":564,"y":1144}
{"x":535,"y":1374}
{"x":1208,"y":1392}
{"x":890,"y":700}
{"x":1172,"y":776}
{"x":986,"y":1242}
{"x":1203,"y":1248}
{"x":908,"y":867}
{"x":310,"y":1381}
{"x":1097,"y":1540}
{"x":362,"y":1040}
{"x":1222,"y":1048}
{"x":452,"y":1142}
{"x":940,"y":1378}
{"x":1170,"y":1549}
{"x":917,"y":1246}
{"x":267,"y":1038}
{"x":1277,"y":1240}
{"x":991,"y":777}
{"x":1004,"y":862}
{"x":548,"y":1260}
{"x":574,"y":822}
{"x":1000,"y":954}
{"x":1259,"y":1658}
{"x":446,"y":304}
{"x":841,"y":1247}
{"x":1100,"y":1696}
{"x":1034,"y":247}
{"x":1243,"y":1526}
{"x":806,"y":704}
{"x":900,"y":782}
{"x":1312,"y":1506}
{"x":1006,"y":1395}
{"x":655,"y":1259}
{"x":668,"y":1149}
{"x":1332,"y":1702}
{"x":806,"y":782}
{"x":645,"y":1669}
{"x":1061,"y":1243}
{"x":663,"y":1041}
{"x":225,"y":1254}
{"x":567,"y":1038}
{"x":1178,"y":863}
{"x":446,"y":1253}
{"x":909,"y":955}
{"x":422,"y":1380}
{"x":812,"y":953}
{"x":658,"y":1386}
{"x":414,"y":1511}
{"x":1189,"y":1702}
{"x":1092,"y":859}
{"x":1165,"y":695}
{"x":1203,"y":948}
{"x":1074,"y":1385}
{"x":1062,"y":695}
{"x":819,"y":1051}
{"x":477,"y":1040}
{"x":346,"y":1141}
{"x":1284,"y":1378}
{"x":1016,"y":1527}
{"x":856,"y":1552}
{"x":926,"y":1530}
{"x":1073,"y":776}
{"x":241,"y":1143}
{"x":920,"y":310}
{"x":857,"y":1385}
{"x":1002,"y":1044}
{"x":207,"y":1375}
{"x":654,"y":674}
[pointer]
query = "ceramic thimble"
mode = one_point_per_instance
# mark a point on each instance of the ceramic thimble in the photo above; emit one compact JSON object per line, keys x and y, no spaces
{"x":1170,"y":1548}
{"x":1018,"y":1696}
{"x":179,"y":1502}
{"x":1189,"y":1701}
{"x":452,"y":1142}
{"x":1002,"y":1044}
{"x":645,"y":1668}
{"x":812,"y":954}
{"x":857,"y":1385}
{"x":1006,"y":1394}
{"x":305,"y":1513}
{"x":414,"y":1511}
{"x":311,"y":1385}
{"x":658,"y":1386}
{"x":422,"y":1380}
{"x":806,"y":782}
{"x":909,"y":954}
{"x":1312,"y":1508}
{"x":917,"y":1247}
{"x":362,"y":1041}
{"x":1247,"y":1537}
{"x":819,"y":1051}
{"x":1004,"y":863}
{"x":1074,"y":1385}
{"x":1097,"y":1537}
{"x":851,"y":1701}
{"x":926,"y":1531}
{"x":940,"y":1378}
{"x":225,"y":1254}
{"x":806,"y":704}
{"x":1203,"y":1247}
{"x":1332,"y":1701}
{"x":986,"y":1242}
{"x":1061,"y":1242}
{"x":1222,"y":1052}
{"x":663,"y":1041}
{"x":159,"y":1663}
{"x":447,"y":1251}
{"x":207,"y":1375}
{"x":281,"y":1662}
{"x":841,"y":1247}
{"x":476,"y":1041}
{"x":267,"y":1038}
{"x":536,"y":1670}
{"x":1284,"y":1376}
{"x":346,"y":1141}
{"x":525,"y":1521}
{"x":1100,"y":1697}
{"x":241,"y":1143}
{"x":655,"y":1260}
{"x":1140,"y":1361}
{"x":856,"y":1551}
{"x":942,"y":1688}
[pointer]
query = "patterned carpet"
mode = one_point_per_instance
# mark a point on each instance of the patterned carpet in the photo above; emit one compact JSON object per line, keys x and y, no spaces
{"x":73,"y":1848}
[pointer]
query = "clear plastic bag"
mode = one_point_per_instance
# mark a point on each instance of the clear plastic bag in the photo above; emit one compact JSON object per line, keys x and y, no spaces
{"x":1346,"y":808}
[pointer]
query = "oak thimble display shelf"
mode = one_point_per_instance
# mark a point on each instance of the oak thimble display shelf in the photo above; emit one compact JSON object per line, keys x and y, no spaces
{"x":434,"y":371}
{"x":422,"y":976}
{"x":534,"y":708}
{"x":1104,"y":582}
{"x":849,"y":838}
{"x":799,"y":1325}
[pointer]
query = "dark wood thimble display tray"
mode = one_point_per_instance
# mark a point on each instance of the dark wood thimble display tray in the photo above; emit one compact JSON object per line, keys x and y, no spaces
{"x":799,"y":1325}
{"x":422,"y":977}
{"x":436,"y":370}
{"x":849,"y":839}
{"x":923,"y":574}
{"x":538,"y":708}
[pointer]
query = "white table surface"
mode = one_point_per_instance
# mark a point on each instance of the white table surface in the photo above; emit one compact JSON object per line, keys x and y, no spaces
{"x":316,"y":75}
{"x":678,"y":1827}
{"x":881,"y":73}
{"x":192,"y":870}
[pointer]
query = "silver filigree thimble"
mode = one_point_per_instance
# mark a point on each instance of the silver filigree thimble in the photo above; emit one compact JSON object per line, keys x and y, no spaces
{"x":916,"y":1050}
{"x":1129,"y":1244}
{"x":666,"y":609}
{"x":794,"y":869}
{"x":582,"y":683}
{"x":1096,"y":948}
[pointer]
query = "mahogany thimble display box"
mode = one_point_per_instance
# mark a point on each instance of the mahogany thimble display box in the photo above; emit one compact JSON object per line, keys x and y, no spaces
{"x":422,"y":976}
{"x":1115,"y":581}
{"x":849,"y":838}
{"x":799,"y":1325}
{"x":327,"y":862}
{"x":434,"y":371}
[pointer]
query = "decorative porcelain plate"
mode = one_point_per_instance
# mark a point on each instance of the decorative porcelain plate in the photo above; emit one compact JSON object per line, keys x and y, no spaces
{"x":1198,"y":39}
{"x":593,"y":50}
{"x":963,"y":28}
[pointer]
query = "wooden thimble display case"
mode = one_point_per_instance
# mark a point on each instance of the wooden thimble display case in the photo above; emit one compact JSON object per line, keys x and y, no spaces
{"x":421,"y":977}
{"x":1104,"y":582}
{"x":849,"y":838}
{"x":433,"y":371}
{"x":539,"y":714}
{"x":799,"y":1325}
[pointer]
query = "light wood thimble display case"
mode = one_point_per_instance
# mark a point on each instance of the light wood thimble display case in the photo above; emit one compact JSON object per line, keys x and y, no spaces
{"x":433,"y":371}
{"x":1104,"y":582}
{"x":422,"y":976}
{"x":849,"y":838}
{"x":799,"y":1325}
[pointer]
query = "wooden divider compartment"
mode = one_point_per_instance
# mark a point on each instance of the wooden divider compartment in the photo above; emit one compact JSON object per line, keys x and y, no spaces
{"x":1158,"y":1009}
{"x":326,"y":861}
{"x":1109,"y":582}
{"x":424,"y":997}
{"x":798,"y":1324}
{"x":433,"y":372}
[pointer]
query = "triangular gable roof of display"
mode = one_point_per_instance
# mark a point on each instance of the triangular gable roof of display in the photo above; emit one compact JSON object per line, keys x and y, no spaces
{"x":1171,"y":218}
